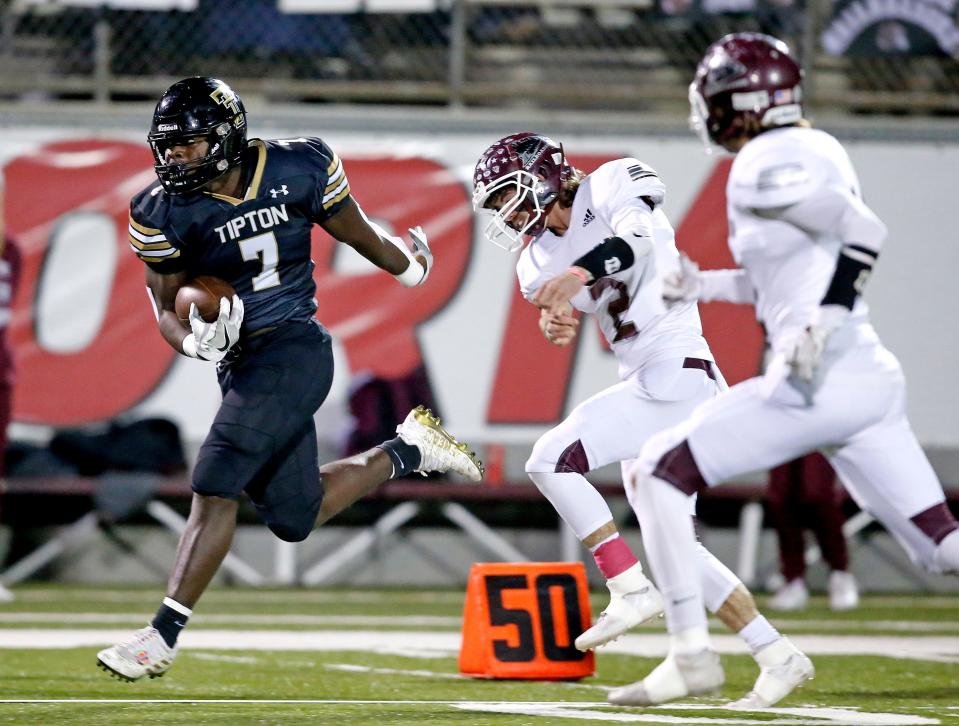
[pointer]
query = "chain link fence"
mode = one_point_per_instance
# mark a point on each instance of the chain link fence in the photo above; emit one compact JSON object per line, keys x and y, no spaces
{"x":861,"y":55}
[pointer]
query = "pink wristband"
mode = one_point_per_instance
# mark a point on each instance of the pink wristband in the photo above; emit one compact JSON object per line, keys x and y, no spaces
{"x":579,"y":272}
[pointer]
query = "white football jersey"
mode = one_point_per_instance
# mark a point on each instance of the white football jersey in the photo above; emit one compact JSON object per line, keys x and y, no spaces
{"x":627,"y":304}
{"x":790,"y":268}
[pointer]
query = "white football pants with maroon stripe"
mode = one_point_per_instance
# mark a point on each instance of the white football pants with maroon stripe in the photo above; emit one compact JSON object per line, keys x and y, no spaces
{"x":857,"y":418}
{"x":612,"y":426}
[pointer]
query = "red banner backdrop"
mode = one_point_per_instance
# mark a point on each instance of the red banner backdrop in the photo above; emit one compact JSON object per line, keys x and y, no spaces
{"x":374,"y":318}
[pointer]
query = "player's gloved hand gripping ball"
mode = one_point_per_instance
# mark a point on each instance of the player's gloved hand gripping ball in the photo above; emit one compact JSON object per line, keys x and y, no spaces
{"x":211,"y":341}
{"x":214,"y":314}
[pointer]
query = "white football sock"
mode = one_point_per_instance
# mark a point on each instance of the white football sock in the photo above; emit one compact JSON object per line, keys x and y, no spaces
{"x":759,"y":633}
{"x":575,"y":500}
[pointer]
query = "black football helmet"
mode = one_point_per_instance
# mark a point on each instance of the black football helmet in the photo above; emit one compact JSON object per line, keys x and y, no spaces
{"x":197,"y":108}
{"x":742,"y":77}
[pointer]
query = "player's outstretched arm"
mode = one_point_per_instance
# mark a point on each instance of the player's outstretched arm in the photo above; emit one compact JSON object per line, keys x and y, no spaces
{"x":351,"y":226}
{"x":690,"y":284}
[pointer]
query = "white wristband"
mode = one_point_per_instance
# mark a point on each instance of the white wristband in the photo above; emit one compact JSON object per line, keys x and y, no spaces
{"x":189,"y":346}
{"x":412,"y":275}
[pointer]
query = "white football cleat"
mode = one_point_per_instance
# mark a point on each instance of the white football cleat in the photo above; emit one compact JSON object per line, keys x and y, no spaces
{"x":843,"y":591}
{"x":633,"y":600}
{"x":6,"y":595}
{"x":782,"y":669}
{"x":690,"y":674}
{"x":439,"y":451}
{"x":145,"y":654}
{"x":791,"y":596}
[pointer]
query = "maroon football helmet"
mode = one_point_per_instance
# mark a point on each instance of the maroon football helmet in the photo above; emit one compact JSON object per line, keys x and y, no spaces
{"x":744,"y":76}
{"x":534,"y":168}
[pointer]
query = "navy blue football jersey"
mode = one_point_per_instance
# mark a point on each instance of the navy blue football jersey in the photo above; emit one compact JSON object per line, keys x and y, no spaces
{"x":260,"y":244}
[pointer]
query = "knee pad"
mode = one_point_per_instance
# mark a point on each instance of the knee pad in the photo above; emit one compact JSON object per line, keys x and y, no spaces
{"x":636,"y":483}
{"x":556,"y":453}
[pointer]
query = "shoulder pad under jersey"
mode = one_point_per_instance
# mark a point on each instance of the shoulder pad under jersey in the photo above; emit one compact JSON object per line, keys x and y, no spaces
{"x":617,"y":182}
{"x":779,"y":170}
{"x":148,"y":233}
{"x":311,"y":155}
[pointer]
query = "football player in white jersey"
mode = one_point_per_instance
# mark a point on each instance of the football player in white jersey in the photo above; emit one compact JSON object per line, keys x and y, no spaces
{"x":601,"y":243}
{"x":805,"y":242}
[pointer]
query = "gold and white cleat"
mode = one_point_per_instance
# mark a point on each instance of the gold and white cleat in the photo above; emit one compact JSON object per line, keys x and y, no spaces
{"x":439,"y":450}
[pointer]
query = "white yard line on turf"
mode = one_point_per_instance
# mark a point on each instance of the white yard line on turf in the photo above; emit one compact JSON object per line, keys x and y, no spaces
{"x":245,"y":659}
{"x":353,"y":668}
{"x":434,"y":644}
{"x":916,"y":626}
{"x":585,"y":710}
{"x":451,"y":621}
{"x":803,"y":715}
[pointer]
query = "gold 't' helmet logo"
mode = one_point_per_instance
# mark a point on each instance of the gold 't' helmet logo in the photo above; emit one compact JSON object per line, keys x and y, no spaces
{"x":225,"y":97}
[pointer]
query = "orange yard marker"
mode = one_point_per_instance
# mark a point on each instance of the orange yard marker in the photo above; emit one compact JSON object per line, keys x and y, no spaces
{"x":520,"y":621}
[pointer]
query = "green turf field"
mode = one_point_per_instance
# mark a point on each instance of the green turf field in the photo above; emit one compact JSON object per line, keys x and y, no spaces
{"x":389,"y":656}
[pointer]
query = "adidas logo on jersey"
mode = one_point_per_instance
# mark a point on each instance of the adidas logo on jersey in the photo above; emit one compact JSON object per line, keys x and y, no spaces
{"x":589,"y":216}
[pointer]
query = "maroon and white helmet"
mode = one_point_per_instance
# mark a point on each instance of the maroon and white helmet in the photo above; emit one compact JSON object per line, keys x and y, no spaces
{"x":533,"y":168}
{"x":744,"y":76}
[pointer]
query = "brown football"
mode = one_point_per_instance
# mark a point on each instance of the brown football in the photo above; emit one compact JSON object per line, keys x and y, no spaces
{"x":206,"y":292}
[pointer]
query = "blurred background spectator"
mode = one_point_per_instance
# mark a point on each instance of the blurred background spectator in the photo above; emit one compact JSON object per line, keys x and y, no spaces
{"x":803,"y":495}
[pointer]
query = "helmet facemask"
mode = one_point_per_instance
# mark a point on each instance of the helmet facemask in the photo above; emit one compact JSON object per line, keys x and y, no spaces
{"x":699,"y":117}
{"x":530,"y":194}
{"x":520,"y":173}
{"x":180,"y":178}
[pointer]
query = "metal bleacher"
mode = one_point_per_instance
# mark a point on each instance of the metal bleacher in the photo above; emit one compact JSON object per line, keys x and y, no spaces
{"x":405,"y":499}
{"x":634,"y":55}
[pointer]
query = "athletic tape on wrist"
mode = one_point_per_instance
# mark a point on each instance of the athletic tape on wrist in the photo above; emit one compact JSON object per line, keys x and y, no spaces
{"x":412,"y":275}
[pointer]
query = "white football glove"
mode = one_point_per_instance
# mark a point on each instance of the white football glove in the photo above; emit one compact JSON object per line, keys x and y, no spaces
{"x":685,"y":285}
{"x":422,"y":247}
{"x":211,"y":341}
{"x":805,"y":355}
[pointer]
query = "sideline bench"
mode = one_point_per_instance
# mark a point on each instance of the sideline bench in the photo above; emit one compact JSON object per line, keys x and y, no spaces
{"x":410,"y":495}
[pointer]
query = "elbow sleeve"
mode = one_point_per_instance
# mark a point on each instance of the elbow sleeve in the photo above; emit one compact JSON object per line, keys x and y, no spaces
{"x":862,"y":234}
{"x":612,"y":255}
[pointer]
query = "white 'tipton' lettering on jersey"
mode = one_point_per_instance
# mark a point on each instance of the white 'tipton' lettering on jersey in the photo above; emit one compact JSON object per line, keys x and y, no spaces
{"x":627,"y":303}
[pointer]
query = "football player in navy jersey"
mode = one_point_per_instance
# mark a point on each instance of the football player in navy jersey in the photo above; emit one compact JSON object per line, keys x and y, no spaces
{"x":242,"y":210}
